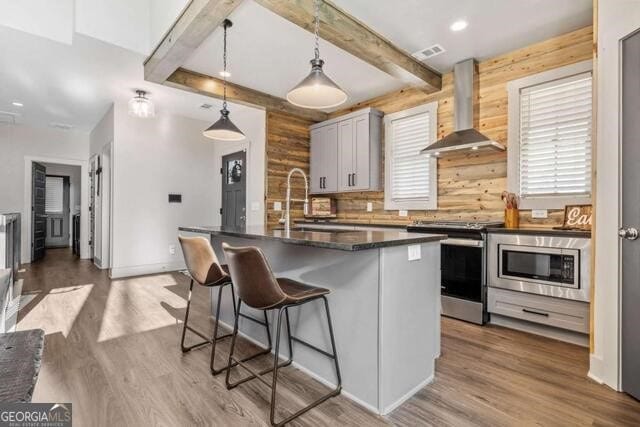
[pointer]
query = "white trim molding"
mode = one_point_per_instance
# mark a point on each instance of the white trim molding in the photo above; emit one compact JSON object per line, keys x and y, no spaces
{"x":514,"y":88}
{"x":431,"y":203}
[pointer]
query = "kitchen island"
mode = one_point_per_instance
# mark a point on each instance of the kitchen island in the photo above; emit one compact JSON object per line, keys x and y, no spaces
{"x":385,"y":304}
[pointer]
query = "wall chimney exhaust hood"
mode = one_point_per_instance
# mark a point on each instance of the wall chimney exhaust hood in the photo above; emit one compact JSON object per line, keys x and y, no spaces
{"x":465,"y":103}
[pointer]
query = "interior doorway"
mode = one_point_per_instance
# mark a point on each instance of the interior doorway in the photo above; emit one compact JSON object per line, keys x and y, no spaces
{"x":56,"y":191}
{"x":234,"y":190}
{"x":100,"y":208}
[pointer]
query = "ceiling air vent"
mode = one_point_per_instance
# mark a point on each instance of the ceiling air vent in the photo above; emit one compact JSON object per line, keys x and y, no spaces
{"x":63,"y":126}
{"x":429,"y":52}
{"x":206,"y":106}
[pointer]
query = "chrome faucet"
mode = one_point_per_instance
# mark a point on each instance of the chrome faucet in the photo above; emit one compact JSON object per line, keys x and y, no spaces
{"x":287,"y":217}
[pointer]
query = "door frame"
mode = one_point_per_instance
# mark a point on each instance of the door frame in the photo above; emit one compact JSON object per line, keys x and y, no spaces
{"x":84,"y":203}
{"x":616,"y":21}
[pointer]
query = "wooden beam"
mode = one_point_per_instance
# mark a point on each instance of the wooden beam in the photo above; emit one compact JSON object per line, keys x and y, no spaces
{"x":196,"y":22}
{"x":346,"y":32}
{"x":211,"y":86}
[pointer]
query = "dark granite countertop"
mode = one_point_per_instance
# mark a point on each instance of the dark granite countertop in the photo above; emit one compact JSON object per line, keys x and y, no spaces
{"x":330,"y":221}
{"x":531,"y":231}
{"x":346,"y":240}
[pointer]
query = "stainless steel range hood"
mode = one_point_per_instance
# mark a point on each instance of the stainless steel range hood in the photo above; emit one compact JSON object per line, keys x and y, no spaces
{"x":465,"y":104}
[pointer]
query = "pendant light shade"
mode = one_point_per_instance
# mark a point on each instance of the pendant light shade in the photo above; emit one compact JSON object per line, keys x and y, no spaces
{"x":317,"y":91}
{"x":141,"y":106}
{"x":224,"y":129}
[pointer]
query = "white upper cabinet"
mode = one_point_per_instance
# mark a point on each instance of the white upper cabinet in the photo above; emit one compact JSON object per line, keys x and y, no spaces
{"x":345,"y":153}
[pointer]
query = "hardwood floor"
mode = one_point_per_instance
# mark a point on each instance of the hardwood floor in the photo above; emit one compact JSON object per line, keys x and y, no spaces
{"x":112,"y":350}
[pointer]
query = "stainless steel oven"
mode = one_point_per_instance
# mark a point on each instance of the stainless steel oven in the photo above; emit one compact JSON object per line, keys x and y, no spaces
{"x":545,"y":265}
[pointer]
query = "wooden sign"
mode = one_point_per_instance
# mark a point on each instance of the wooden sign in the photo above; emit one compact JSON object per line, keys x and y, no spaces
{"x":577,"y":217}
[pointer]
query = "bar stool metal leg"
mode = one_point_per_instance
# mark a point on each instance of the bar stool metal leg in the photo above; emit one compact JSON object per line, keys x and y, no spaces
{"x":215,"y":337}
{"x":233,"y":362}
{"x":185,"y":326}
{"x":333,"y":356}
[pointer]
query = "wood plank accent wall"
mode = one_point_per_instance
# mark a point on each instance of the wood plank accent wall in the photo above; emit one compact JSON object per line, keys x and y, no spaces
{"x":287,"y":148}
{"x":469,"y":184}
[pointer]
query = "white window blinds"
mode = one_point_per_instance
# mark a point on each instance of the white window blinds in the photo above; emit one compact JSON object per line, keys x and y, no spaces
{"x":410,"y":171}
{"x":555,"y":137}
{"x":54,"y":194}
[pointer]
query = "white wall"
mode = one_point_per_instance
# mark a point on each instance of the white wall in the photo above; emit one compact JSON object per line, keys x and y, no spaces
{"x":155,"y":157}
{"x":18,"y":142}
{"x":163,"y":14}
{"x":45,"y":18}
{"x":616,"y":19}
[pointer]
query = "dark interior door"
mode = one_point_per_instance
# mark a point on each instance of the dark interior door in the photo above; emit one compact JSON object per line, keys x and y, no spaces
{"x":38,"y":215}
{"x":630,"y":215}
{"x":234,"y":190}
{"x":57,"y":210}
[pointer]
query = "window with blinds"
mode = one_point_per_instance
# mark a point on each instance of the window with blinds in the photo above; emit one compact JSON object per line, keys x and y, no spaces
{"x":54,"y":194}
{"x":411,"y":180}
{"x":555,"y":137}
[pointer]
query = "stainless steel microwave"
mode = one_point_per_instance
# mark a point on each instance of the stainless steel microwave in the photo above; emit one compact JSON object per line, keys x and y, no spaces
{"x":545,"y":265}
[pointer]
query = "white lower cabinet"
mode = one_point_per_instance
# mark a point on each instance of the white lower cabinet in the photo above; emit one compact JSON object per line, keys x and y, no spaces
{"x":560,"y":313}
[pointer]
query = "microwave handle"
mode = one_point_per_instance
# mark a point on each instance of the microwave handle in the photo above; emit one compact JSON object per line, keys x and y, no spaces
{"x":463,"y":242}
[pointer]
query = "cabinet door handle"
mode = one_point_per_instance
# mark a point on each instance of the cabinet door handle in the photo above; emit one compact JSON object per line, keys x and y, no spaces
{"x":535,"y":312}
{"x":324,"y":182}
{"x":354,"y":179}
{"x":320,"y":180}
{"x":350,"y":175}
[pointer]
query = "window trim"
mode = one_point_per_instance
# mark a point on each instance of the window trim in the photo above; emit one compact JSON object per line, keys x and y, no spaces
{"x":513,"y":145}
{"x":389,"y":204}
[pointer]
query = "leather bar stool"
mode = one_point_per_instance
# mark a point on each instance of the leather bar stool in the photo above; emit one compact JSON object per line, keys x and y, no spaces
{"x":205,"y":270}
{"x":258,"y":288}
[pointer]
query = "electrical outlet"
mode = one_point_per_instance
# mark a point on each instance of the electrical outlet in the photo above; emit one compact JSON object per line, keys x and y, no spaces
{"x":414,"y":252}
{"x":539,"y":213}
{"x":369,"y":207}
{"x":277,"y":206}
{"x":403,"y":213}
{"x":172,"y":249}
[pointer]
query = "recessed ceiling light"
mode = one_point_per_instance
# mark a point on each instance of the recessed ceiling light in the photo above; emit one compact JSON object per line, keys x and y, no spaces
{"x":17,"y":104}
{"x":459,"y":25}
{"x":225,"y":74}
{"x":475,"y":147}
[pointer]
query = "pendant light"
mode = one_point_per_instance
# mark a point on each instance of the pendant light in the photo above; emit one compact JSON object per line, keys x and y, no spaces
{"x":317,"y":91}
{"x":141,"y":106}
{"x":224,"y":129}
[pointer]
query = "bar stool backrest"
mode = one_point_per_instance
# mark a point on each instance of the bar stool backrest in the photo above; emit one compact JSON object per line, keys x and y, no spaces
{"x":201,"y":260}
{"x":252,"y":275}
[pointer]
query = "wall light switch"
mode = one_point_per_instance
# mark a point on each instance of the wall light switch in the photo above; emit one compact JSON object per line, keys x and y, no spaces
{"x":403,"y":213}
{"x":255,"y":206}
{"x":369,"y":207}
{"x":414,"y":252}
{"x":172,"y":249}
{"x":539,"y":213}
{"x":277,"y":206}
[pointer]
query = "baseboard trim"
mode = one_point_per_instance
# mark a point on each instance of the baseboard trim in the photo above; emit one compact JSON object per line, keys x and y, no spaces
{"x":390,"y":408}
{"x":141,"y":270}
{"x":312,"y":374}
{"x":595,"y":369}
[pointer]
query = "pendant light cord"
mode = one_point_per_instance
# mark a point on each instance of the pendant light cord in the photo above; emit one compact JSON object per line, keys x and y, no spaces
{"x":224,"y":74}
{"x":317,"y":29}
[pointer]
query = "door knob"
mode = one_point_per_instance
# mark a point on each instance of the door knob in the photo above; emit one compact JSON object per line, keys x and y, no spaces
{"x":628,"y":233}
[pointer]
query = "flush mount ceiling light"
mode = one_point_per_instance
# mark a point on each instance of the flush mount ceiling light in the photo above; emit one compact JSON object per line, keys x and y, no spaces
{"x":224,"y":129}
{"x":17,"y":104}
{"x":317,"y":91}
{"x":224,"y":74}
{"x":459,"y":25}
{"x":141,"y":106}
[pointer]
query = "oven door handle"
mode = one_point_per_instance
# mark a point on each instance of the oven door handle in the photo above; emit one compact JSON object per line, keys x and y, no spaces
{"x":463,"y":242}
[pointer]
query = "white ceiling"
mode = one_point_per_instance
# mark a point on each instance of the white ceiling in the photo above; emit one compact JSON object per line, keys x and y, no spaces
{"x":270,"y":54}
{"x":495,"y":26}
{"x":64,"y":74}
{"x":75,"y":84}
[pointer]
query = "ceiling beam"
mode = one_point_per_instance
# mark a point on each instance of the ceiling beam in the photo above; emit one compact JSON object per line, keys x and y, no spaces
{"x":346,"y":32}
{"x":196,"y":22}
{"x":213,"y":87}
